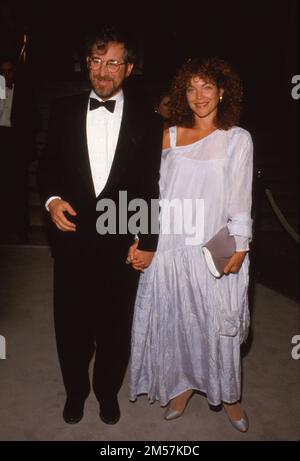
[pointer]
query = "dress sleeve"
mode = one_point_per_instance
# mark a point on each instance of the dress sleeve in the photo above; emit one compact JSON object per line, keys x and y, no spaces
{"x":240,"y":196}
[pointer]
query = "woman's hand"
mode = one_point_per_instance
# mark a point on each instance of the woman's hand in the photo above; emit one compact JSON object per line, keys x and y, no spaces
{"x":139,"y":259}
{"x":235,"y":262}
{"x":131,"y":252}
{"x":142,"y":259}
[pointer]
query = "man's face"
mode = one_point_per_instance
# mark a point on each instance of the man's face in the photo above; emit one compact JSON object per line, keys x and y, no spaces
{"x":105,"y":82}
{"x":7,"y":69}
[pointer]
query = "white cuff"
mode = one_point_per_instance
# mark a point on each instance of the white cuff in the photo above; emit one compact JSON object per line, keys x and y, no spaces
{"x":242,"y":243}
{"x":240,"y":224}
{"x":50,"y":200}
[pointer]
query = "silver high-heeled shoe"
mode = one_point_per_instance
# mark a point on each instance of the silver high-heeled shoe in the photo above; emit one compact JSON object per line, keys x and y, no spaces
{"x":173,"y":414}
{"x":242,"y":424}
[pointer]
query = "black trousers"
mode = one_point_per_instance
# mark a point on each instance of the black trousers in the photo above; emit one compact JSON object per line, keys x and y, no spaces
{"x":94,"y":295}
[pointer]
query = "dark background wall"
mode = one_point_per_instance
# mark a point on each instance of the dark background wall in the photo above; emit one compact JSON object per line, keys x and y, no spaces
{"x":259,"y":39}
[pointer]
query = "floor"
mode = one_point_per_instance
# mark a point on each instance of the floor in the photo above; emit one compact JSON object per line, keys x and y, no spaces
{"x":32,"y":393}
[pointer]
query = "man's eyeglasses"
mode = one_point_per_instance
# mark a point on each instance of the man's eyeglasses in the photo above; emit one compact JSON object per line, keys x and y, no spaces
{"x":111,"y":65}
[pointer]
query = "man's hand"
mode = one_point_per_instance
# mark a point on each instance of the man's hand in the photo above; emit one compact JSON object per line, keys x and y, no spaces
{"x":57,"y":207}
{"x":235,"y":262}
{"x":139,"y":259}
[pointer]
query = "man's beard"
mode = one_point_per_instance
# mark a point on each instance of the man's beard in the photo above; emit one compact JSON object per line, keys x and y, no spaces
{"x":105,"y":92}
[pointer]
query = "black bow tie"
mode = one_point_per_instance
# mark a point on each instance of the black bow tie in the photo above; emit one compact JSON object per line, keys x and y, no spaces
{"x":109,"y":105}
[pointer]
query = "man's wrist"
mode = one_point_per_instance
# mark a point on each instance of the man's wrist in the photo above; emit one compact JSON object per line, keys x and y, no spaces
{"x":50,"y":200}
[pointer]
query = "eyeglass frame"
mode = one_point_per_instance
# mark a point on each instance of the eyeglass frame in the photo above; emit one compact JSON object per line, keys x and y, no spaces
{"x":112,"y":61}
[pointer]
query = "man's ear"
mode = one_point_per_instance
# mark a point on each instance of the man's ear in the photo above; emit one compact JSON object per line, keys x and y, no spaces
{"x":129,"y":69}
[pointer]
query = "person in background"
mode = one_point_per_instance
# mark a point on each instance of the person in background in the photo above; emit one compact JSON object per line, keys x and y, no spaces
{"x":20,"y":121}
{"x":162,"y":106}
{"x":189,"y":325}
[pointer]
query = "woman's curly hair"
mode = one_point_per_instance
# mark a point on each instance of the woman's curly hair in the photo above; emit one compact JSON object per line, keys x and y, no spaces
{"x":213,"y":70}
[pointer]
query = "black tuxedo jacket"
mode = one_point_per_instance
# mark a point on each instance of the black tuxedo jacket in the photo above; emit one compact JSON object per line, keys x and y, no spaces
{"x":64,"y":169}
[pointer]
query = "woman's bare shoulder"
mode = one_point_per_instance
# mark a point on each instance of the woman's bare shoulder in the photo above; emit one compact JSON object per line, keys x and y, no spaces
{"x":166,"y":138}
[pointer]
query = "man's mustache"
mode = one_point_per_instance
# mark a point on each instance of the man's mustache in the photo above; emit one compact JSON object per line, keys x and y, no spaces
{"x":104,"y":79}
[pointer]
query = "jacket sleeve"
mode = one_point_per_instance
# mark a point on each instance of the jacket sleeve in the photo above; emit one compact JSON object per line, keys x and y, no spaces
{"x":149,"y":182}
{"x":48,"y":174}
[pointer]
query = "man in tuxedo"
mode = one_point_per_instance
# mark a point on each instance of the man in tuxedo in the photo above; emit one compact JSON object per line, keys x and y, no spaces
{"x":99,"y":144}
{"x":19,"y":123}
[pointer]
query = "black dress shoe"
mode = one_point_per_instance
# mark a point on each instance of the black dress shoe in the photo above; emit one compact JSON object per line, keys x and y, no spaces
{"x":73,"y":411}
{"x":110,"y":411}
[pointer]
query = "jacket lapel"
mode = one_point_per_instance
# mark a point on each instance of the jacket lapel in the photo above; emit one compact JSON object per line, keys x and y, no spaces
{"x":82,"y":161}
{"x":126,"y":144}
{"x":125,"y":148}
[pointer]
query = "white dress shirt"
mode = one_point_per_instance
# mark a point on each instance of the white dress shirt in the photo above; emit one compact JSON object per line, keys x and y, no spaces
{"x":5,"y":108}
{"x":102,"y":128}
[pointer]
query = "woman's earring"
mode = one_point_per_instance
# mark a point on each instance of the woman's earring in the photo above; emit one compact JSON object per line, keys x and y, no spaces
{"x":221,"y":98}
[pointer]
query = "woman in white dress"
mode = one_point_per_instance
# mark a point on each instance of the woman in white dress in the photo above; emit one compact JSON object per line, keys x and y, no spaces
{"x":189,"y":325}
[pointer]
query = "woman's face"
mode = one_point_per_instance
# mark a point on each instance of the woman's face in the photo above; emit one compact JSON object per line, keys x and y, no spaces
{"x":203,"y":97}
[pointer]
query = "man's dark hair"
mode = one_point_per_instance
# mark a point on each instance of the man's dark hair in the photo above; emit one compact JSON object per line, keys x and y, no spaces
{"x":111,"y":33}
